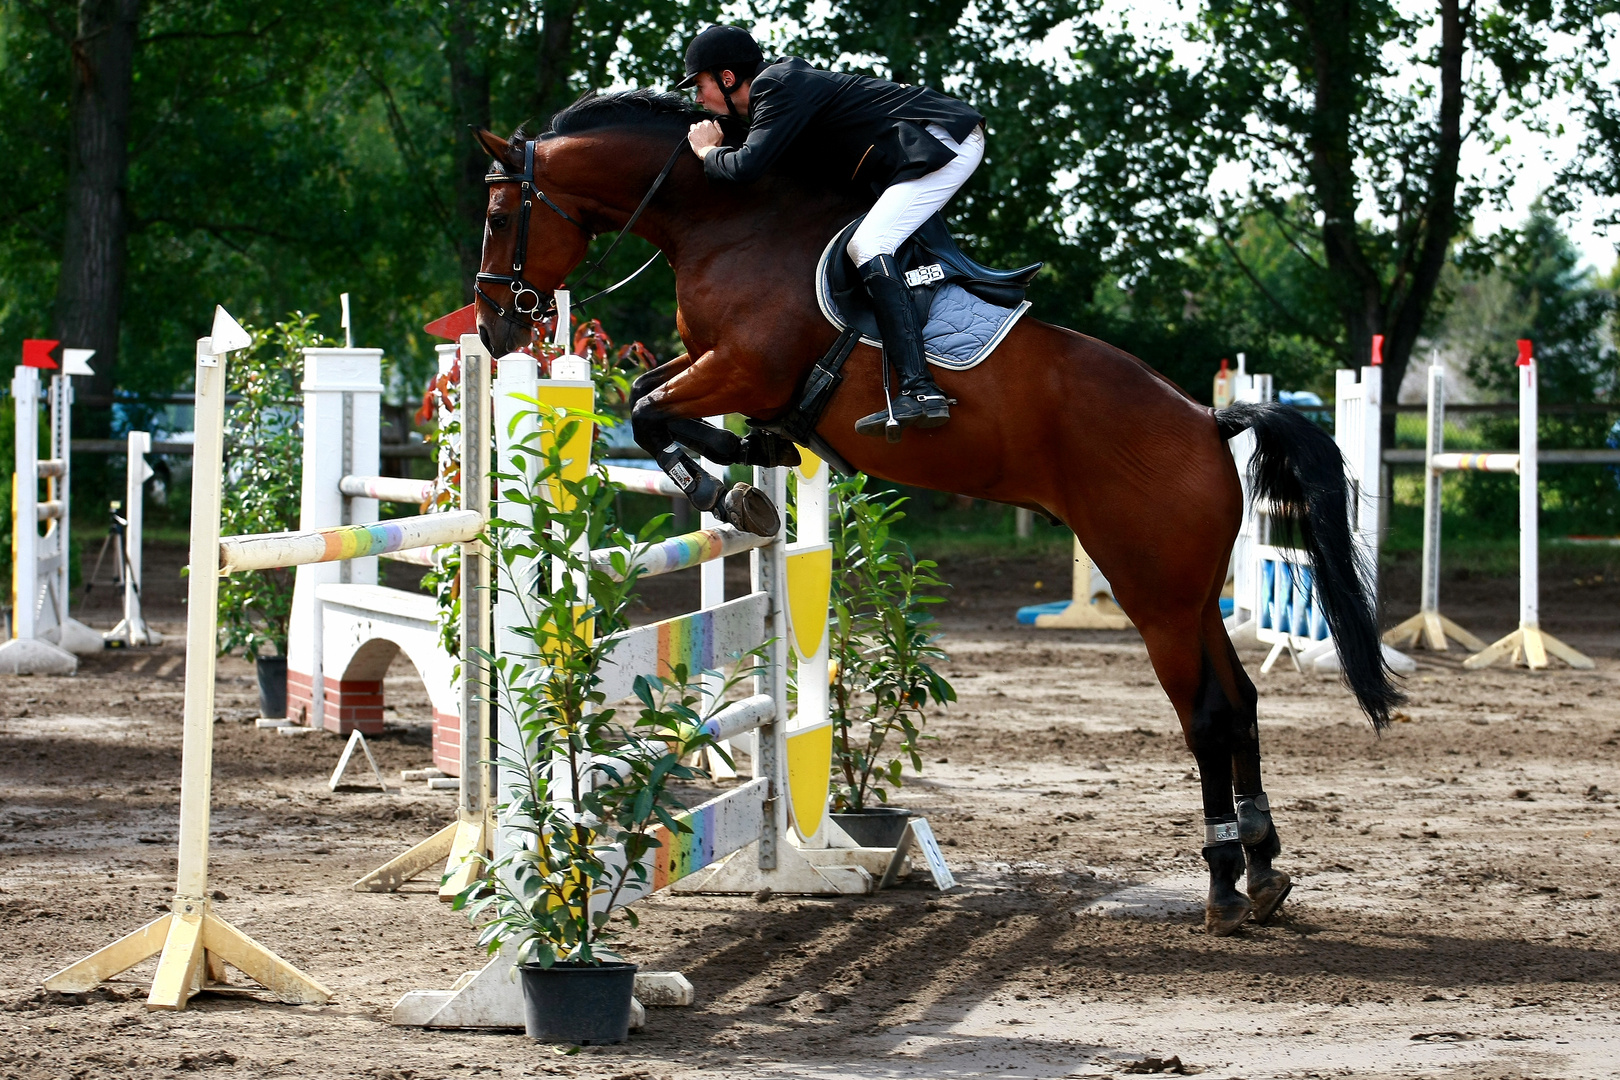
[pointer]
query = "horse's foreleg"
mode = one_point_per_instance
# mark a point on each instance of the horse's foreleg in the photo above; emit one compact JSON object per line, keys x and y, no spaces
{"x":725,"y":447}
{"x":664,"y":413}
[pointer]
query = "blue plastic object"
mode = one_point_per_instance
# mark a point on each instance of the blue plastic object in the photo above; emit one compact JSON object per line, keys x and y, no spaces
{"x":1026,"y":615}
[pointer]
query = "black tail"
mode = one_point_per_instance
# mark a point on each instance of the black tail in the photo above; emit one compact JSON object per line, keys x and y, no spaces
{"x":1296,"y":464}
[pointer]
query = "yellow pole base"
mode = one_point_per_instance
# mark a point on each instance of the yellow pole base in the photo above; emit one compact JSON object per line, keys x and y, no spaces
{"x":467,"y":855}
{"x":195,"y":945}
{"x":1429,"y":630}
{"x":1528,"y":646}
{"x":1100,"y":614}
{"x":402,"y":868}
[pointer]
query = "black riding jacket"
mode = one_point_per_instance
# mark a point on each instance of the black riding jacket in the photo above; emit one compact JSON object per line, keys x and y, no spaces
{"x":865,"y":130}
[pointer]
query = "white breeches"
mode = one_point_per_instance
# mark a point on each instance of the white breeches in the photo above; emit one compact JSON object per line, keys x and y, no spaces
{"x":903,"y":207}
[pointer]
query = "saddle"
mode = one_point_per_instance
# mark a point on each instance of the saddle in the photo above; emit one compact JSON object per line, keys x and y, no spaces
{"x":929,"y":260}
{"x":965,"y":309}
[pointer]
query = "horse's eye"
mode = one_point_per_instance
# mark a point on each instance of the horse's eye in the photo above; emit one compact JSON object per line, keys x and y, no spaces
{"x":498,"y":221}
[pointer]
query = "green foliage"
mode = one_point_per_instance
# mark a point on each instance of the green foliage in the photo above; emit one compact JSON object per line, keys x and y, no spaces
{"x":1536,"y":289}
{"x":263,"y":479}
{"x":882,"y":644}
{"x":591,"y":785}
{"x":283,"y":151}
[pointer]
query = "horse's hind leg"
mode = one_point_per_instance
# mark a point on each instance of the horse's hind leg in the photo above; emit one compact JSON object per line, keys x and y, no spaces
{"x":1267,"y":887}
{"x":1211,"y":695}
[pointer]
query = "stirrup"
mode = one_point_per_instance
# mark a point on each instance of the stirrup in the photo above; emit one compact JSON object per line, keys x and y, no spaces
{"x":907,"y":412}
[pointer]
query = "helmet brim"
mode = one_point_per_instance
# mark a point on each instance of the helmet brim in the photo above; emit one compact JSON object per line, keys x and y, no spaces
{"x":689,"y":81}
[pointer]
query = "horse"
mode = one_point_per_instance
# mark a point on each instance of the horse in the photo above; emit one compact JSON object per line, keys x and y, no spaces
{"x":1053,"y":420}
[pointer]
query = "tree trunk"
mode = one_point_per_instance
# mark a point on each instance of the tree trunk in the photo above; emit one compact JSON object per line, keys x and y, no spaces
{"x":1369,"y":302}
{"x":90,"y":291}
{"x":469,"y":109}
{"x":1414,"y":287}
{"x":553,"y":61}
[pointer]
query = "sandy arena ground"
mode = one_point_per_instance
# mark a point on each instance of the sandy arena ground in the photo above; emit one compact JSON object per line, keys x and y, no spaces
{"x":1458,"y":882}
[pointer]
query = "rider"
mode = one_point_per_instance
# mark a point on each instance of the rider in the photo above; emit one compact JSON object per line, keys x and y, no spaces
{"x":913,"y":145}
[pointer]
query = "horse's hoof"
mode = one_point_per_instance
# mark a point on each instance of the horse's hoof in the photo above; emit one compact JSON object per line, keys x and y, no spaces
{"x":750,"y":510}
{"x":1268,"y":889}
{"x":1223,"y":919}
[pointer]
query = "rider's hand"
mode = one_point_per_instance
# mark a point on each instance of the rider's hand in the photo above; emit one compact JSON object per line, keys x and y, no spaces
{"x":705,"y":136}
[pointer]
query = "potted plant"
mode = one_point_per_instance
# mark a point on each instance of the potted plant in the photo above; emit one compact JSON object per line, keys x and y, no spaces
{"x":883,"y":646}
{"x":261,"y":492}
{"x":585,"y":790}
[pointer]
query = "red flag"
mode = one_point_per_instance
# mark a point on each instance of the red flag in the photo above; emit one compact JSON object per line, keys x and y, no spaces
{"x":1525,"y":359}
{"x":1378,"y":350}
{"x":37,"y":352}
{"x":452,"y":326}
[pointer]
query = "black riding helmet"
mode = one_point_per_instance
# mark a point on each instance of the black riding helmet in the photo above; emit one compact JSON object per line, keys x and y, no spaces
{"x":722,"y":48}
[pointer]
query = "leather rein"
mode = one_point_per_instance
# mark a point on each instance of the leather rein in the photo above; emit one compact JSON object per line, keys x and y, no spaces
{"x":529,"y":313}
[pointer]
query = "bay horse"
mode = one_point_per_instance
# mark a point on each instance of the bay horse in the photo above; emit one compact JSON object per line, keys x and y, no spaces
{"x":1053,"y":419}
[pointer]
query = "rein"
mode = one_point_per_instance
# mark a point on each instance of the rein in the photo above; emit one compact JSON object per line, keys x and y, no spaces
{"x":531,"y":311}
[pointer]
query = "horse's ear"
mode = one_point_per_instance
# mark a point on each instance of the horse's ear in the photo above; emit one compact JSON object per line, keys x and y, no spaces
{"x":499,"y":149}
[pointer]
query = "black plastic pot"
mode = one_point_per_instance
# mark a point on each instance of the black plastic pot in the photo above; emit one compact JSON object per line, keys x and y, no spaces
{"x":272,"y":687}
{"x":584,"y":1004}
{"x":876,"y":826}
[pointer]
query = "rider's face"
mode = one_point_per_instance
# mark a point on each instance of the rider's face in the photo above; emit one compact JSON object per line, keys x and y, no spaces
{"x":710,"y":97}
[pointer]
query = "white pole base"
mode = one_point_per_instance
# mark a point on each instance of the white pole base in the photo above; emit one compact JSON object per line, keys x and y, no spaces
{"x":492,"y":997}
{"x":30,"y":656}
{"x":76,"y":638}
{"x":1325,"y":661}
{"x":129,"y":635}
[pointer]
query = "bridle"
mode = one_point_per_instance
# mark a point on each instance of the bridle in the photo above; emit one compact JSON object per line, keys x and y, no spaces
{"x":529,"y":313}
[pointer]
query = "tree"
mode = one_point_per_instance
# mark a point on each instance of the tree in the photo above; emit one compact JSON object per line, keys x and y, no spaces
{"x":1354,"y":118}
{"x":90,"y":292}
{"x":1535,"y":289}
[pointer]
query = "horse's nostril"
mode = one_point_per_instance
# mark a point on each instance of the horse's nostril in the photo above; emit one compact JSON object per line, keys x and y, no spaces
{"x":483,"y":335}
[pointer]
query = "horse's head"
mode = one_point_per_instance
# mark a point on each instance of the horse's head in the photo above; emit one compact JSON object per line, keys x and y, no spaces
{"x":532,"y":239}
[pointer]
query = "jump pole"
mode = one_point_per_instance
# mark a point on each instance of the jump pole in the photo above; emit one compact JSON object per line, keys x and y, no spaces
{"x":195,"y":943}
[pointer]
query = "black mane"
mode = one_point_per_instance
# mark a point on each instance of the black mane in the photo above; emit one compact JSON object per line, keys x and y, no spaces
{"x":627,"y":108}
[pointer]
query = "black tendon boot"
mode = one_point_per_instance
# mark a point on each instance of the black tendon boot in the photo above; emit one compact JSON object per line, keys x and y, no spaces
{"x":744,"y":506}
{"x":1227,"y":909}
{"x":1267,"y":888}
{"x":919,"y":401}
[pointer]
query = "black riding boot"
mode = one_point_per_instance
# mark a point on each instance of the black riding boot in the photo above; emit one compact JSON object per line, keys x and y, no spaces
{"x":919,"y":401}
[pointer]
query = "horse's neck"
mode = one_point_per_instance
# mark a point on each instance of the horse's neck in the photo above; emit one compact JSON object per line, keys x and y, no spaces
{"x":701,"y":220}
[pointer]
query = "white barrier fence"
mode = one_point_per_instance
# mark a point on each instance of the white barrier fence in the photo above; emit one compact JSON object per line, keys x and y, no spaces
{"x":1274,"y":598}
{"x":772,"y":830}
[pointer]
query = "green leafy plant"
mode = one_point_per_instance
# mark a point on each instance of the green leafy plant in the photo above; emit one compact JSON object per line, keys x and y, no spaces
{"x":263,"y":475}
{"x":586,"y":791}
{"x":883,"y":646}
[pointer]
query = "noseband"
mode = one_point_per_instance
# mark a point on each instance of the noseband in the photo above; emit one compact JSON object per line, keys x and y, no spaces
{"x":530,"y":312}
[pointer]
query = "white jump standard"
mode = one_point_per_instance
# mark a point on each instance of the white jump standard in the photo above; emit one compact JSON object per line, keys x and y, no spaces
{"x":1529,"y":644}
{"x":132,"y":629}
{"x":45,"y":640}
